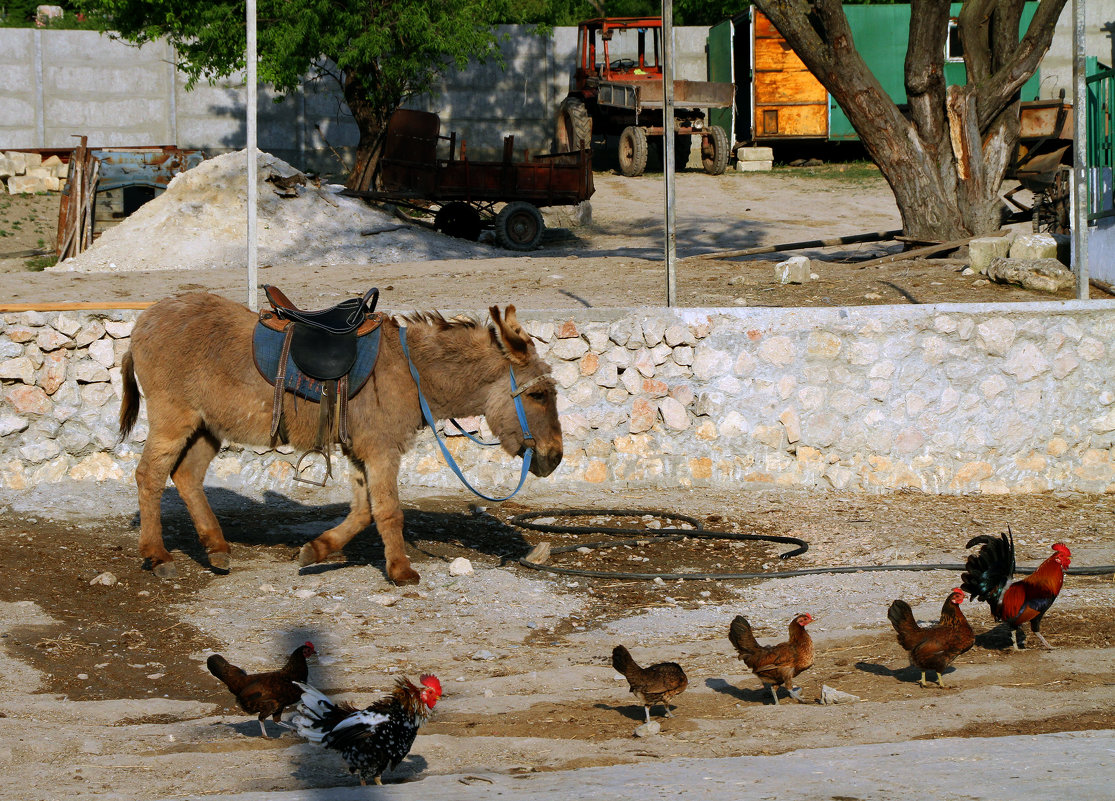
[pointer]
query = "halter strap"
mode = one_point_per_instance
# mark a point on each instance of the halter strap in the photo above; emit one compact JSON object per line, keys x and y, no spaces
{"x":428,"y":416}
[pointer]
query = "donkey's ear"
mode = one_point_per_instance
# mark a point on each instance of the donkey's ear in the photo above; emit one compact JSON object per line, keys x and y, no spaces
{"x":515,"y":341}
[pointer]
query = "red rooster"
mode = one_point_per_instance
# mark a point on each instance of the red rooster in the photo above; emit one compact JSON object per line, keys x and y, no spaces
{"x":373,"y":739}
{"x":987,"y":573}
{"x":775,"y":664}
{"x":264,"y":693}
{"x":933,"y":647}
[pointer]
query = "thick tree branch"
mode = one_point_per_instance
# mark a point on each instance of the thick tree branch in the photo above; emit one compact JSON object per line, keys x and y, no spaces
{"x":924,"y":72}
{"x":975,"y":36}
{"x":995,"y":93}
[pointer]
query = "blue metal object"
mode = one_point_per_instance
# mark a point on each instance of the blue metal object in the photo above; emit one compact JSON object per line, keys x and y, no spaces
{"x":428,"y":416}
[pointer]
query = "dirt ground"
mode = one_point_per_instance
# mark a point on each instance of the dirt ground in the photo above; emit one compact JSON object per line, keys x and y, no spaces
{"x":104,"y":687}
{"x":106,"y":693}
{"x":615,"y":260}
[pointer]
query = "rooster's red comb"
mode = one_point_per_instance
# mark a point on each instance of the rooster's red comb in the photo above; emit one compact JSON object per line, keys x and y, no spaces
{"x":1060,"y":547}
{"x":432,"y":682}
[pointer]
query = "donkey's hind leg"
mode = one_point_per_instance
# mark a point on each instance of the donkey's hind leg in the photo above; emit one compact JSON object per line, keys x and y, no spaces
{"x":358,"y":519}
{"x":189,"y":476}
{"x":170,"y":430}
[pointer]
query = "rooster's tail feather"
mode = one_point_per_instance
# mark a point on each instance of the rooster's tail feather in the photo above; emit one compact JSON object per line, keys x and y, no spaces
{"x":622,"y":661}
{"x":741,"y":636}
{"x":988,"y":571}
{"x":309,"y":717}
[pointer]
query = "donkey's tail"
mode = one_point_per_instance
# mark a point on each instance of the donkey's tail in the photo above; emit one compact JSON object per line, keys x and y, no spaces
{"x":129,"y":407}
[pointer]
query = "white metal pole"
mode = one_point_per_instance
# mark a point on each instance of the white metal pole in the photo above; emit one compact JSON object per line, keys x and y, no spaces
{"x":253,"y":253}
{"x":1080,"y":152}
{"x":668,"y":147}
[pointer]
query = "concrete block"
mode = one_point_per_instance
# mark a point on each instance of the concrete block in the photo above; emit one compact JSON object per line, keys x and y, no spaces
{"x":18,"y":160}
{"x":981,"y":251}
{"x":1034,"y":246}
{"x":754,"y":166}
{"x":794,"y":270}
{"x":27,"y":184}
{"x":7,"y":167}
{"x":755,"y":154}
{"x":32,"y":160}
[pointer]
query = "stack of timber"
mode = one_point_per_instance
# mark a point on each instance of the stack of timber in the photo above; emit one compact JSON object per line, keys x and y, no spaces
{"x":75,"y":211}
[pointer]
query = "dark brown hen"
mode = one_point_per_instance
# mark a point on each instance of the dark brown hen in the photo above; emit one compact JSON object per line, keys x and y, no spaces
{"x":265,"y":694}
{"x":933,"y":647}
{"x":655,"y":684}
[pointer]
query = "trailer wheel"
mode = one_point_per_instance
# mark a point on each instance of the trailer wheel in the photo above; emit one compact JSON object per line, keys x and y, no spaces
{"x":458,"y":219}
{"x":714,"y":151}
{"x":632,"y":151}
{"x":519,"y":226}
{"x":574,"y":126}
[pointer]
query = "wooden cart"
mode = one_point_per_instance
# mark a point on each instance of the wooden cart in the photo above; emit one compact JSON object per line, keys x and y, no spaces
{"x":464,"y":195}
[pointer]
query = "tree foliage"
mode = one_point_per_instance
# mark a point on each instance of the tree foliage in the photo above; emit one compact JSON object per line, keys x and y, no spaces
{"x":380,"y":52}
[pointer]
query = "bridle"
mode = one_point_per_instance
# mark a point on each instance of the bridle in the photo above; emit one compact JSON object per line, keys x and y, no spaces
{"x":516,"y":396}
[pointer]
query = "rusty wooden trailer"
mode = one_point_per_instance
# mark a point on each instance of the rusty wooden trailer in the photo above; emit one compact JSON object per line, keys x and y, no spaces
{"x":464,"y":194}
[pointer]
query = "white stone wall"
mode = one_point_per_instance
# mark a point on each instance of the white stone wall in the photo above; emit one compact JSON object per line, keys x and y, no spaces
{"x":943,"y":399}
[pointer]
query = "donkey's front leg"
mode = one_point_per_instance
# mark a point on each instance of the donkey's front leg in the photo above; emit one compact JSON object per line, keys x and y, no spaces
{"x":359,"y":516}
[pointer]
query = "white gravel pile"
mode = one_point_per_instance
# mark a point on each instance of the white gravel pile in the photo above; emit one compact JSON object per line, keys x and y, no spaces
{"x":200,"y":222}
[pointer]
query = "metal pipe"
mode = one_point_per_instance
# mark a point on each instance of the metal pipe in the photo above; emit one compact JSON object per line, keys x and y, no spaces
{"x":668,"y":147}
{"x":253,"y":252}
{"x":1080,"y":152}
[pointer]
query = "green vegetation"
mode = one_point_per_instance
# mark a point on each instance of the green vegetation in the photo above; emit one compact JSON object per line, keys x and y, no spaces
{"x":852,"y":172}
{"x":40,"y":263}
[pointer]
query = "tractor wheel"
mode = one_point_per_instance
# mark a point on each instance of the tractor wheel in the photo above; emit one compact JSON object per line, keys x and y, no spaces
{"x":458,"y":219}
{"x":519,"y":226}
{"x":632,"y":151}
{"x":574,"y":126}
{"x":714,"y":151}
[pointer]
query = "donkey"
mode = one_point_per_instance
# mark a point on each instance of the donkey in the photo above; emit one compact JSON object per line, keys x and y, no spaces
{"x":193,"y":356}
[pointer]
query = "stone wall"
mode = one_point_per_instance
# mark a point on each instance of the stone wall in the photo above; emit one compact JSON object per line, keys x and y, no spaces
{"x":943,"y":399}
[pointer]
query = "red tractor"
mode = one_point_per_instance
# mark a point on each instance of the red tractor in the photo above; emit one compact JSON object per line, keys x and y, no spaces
{"x":619,"y":91}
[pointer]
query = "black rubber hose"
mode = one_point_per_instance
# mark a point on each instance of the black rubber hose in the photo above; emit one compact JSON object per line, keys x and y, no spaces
{"x":644,"y":537}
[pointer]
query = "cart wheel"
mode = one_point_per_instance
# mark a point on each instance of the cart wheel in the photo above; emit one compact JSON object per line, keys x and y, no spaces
{"x":519,"y":226}
{"x":714,"y":151}
{"x":458,"y":219}
{"x":574,"y":126}
{"x":632,"y":151}
{"x":1052,"y":208}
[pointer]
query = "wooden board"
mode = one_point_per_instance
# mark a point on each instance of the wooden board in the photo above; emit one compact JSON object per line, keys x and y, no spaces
{"x":774,"y":88}
{"x":803,"y":120}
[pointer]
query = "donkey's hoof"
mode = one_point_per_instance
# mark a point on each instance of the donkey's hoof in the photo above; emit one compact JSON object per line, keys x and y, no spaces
{"x":220,"y":561}
{"x":166,"y":570}
{"x":403,"y":576}
{"x":307,"y":556}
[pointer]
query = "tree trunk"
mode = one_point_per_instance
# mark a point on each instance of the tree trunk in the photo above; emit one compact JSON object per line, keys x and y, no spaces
{"x":371,"y":120}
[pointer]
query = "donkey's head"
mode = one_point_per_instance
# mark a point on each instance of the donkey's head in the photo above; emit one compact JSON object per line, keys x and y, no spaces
{"x":535,"y":390}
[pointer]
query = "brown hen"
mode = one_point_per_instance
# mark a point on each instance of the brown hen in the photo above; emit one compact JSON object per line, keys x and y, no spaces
{"x":655,"y":684}
{"x":933,"y":647}
{"x":775,"y":664}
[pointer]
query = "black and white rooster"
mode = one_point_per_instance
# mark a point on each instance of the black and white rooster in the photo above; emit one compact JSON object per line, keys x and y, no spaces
{"x":373,"y":739}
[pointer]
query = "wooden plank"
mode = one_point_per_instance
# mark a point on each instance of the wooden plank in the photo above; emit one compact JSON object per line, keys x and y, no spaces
{"x":764,"y":28}
{"x":776,"y":55}
{"x":876,"y":236}
{"x":811,"y":120}
{"x":74,"y":306}
{"x":928,"y":250}
{"x":788,"y":87}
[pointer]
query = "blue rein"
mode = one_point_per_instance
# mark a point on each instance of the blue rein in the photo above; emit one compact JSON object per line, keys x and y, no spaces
{"x":429,"y":418}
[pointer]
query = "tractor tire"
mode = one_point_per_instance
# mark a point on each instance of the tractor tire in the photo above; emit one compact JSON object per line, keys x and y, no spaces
{"x":632,"y":151}
{"x":458,"y":219}
{"x":519,"y":226}
{"x":574,"y":127}
{"x":714,"y":151}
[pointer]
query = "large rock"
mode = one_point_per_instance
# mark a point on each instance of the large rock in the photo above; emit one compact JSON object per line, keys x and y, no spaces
{"x":1034,"y":246}
{"x":1042,"y":275}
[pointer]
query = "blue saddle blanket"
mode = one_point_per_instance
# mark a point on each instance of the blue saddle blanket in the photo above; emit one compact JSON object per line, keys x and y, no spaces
{"x":267,"y":346}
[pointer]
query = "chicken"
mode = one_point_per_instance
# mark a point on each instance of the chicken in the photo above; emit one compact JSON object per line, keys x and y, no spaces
{"x":652,"y":685}
{"x":987,"y":573}
{"x":933,"y":647}
{"x":265,"y":694}
{"x":373,"y":739}
{"x":775,"y":664}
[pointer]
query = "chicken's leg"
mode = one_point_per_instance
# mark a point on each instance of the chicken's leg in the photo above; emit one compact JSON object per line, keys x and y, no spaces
{"x":773,"y":691}
{"x":263,"y":730}
{"x":669,"y":714}
{"x":795,"y":693}
{"x":646,"y":709}
{"x":1043,"y":640}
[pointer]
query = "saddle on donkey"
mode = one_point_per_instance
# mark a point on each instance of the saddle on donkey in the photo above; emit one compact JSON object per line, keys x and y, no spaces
{"x":322,"y":356}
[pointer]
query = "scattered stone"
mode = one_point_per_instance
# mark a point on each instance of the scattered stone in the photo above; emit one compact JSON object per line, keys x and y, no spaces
{"x":385,"y":599}
{"x":483,"y":656}
{"x":539,"y":554}
{"x":983,"y":250}
{"x":648,"y":729}
{"x":106,"y":578}
{"x":830,"y":695}
{"x":460,"y":567}
{"x":303,"y":594}
{"x":794,"y":270}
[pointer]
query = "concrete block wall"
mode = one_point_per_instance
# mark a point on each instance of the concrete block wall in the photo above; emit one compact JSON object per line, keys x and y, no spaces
{"x":943,"y":399}
{"x":61,"y":84}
